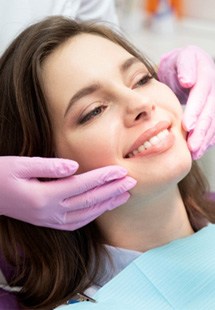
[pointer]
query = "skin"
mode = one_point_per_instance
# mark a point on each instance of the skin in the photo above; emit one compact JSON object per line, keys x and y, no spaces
{"x":100,"y":128}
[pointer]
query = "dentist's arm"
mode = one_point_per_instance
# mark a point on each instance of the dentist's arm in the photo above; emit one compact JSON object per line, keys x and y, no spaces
{"x":190,"y":72}
{"x":68,"y":201}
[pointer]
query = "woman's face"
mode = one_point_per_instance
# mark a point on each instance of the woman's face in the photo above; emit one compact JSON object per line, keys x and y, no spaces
{"x":106,"y":110}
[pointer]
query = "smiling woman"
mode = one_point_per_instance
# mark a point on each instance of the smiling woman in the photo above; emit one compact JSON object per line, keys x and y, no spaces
{"x":81,"y":91}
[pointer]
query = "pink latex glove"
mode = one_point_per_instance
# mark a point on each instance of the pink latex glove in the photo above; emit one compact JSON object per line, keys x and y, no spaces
{"x":190,"y":72}
{"x":68,"y":202}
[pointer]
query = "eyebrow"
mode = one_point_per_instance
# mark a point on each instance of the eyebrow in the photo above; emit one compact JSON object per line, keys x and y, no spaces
{"x":83,"y":92}
{"x":88,"y":90}
{"x":128,"y":63}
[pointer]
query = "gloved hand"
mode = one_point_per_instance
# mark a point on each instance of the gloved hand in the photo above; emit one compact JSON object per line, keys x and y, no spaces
{"x":190,"y":73}
{"x":68,"y":202}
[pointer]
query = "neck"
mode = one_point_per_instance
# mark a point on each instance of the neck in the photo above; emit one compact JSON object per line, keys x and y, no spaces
{"x":142,"y":226}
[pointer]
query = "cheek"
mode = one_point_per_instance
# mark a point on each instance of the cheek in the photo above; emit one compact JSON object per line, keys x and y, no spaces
{"x":157,"y":174}
{"x":90,"y":151}
{"x":93,"y":156}
{"x":167,"y":98}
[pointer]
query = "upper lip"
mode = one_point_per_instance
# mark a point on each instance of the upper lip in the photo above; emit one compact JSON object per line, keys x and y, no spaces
{"x":147,"y":134}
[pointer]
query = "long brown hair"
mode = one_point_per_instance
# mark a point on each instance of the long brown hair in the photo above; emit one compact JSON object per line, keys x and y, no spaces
{"x":52,"y":265}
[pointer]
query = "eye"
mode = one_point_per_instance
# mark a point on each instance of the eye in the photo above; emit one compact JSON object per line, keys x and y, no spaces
{"x":92,"y":114}
{"x":144,"y":80}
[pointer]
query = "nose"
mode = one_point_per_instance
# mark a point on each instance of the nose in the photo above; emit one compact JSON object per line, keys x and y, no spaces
{"x":138,"y":108}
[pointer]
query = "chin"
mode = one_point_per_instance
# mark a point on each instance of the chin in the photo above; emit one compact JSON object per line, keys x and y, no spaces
{"x":164,"y":175}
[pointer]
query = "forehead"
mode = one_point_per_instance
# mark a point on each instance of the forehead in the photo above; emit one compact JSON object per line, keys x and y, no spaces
{"x":85,"y":51}
{"x":82,"y":60}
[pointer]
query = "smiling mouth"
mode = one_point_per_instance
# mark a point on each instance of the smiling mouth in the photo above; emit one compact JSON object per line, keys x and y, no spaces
{"x":148,"y":144}
{"x":153,"y":140}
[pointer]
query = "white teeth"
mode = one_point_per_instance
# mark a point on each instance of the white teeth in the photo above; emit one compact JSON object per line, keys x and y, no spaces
{"x":141,"y":148}
{"x":163,"y":134}
{"x":152,"y":141}
{"x":147,"y":145}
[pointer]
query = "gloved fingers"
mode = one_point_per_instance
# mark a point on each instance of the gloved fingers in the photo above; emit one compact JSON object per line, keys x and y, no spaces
{"x":106,"y":196}
{"x":167,"y":60}
{"x":196,"y":102}
{"x":208,"y":138}
{"x":202,"y":149}
{"x":99,"y":194}
{"x":83,"y":217}
{"x":201,"y":137}
{"x":181,"y":93}
{"x":167,"y":67}
{"x":81,"y":183}
{"x":187,"y":67}
{"x":167,"y":74}
{"x":169,"y":78}
{"x":38,"y":167}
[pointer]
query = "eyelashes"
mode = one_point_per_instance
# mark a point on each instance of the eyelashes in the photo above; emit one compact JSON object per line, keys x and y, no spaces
{"x":95,"y":112}
{"x":144,"y":80}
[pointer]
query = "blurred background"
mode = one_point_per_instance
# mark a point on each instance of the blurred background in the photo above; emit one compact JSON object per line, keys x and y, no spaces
{"x":155,"y":28}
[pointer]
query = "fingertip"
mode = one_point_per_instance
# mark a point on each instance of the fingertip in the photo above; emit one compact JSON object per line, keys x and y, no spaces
{"x":186,"y":77}
{"x":186,"y":67}
{"x":185,"y":82}
{"x":118,"y":201}
{"x":130,"y":182}
{"x":193,"y":145}
{"x":122,"y":170}
{"x":66,"y":167}
{"x":188,"y":122}
{"x":114,"y":172}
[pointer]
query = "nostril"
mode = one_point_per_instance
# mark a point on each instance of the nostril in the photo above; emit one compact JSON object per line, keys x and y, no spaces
{"x":142,"y":114}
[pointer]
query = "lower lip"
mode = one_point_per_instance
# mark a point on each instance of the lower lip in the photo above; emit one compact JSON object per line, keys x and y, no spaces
{"x":163,"y":146}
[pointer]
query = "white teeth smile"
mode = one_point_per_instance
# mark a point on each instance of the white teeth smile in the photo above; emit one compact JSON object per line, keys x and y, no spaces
{"x":149,"y":143}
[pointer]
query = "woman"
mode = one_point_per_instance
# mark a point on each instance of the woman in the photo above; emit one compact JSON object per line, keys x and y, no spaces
{"x":187,"y":71}
{"x":81,"y":91}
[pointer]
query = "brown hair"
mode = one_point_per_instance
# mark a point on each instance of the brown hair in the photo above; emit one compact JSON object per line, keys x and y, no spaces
{"x":52,"y":265}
